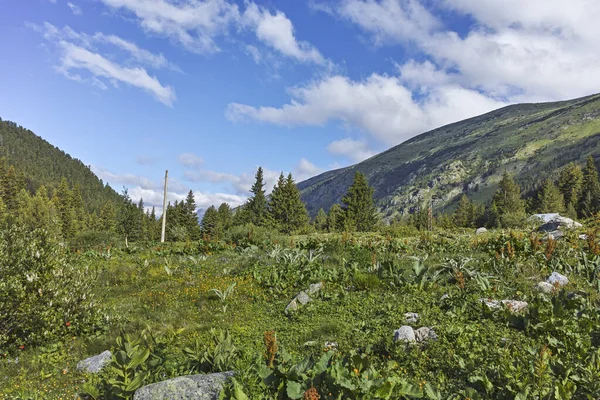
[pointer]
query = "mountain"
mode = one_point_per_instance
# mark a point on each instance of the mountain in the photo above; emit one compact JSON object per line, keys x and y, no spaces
{"x":530,"y":141}
{"x":42,"y":163}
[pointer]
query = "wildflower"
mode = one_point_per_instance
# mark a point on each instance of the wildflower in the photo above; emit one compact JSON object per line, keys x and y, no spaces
{"x":67,"y":323}
{"x":356,"y":371}
{"x":21,"y":347}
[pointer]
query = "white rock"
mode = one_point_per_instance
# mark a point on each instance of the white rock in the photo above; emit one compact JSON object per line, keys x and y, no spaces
{"x":404,"y":334}
{"x":545,"y":287}
{"x":557,"y":279}
{"x":425,"y":333}
{"x":480,"y":231}
{"x":515,"y":306}
{"x":411,"y":317}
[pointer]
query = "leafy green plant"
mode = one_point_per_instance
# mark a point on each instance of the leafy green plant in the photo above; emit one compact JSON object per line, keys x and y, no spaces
{"x":221,"y":355}
{"x":224,"y":295}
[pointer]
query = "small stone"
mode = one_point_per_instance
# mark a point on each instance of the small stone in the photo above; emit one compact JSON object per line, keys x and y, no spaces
{"x":314,"y":288}
{"x":480,"y":231}
{"x":515,"y":306}
{"x":331,"y":345}
{"x":404,"y":334}
{"x":444,"y":297}
{"x":583,"y":236}
{"x":303,"y":298}
{"x":425,"y":333}
{"x":545,"y":287}
{"x":200,"y":387}
{"x":292,"y":306}
{"x":95,"y":364}
{"x":411,"y":317}
{"x":557,"y":279}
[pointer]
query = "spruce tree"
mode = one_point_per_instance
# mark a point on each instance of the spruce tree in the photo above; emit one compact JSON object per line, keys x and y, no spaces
{"x":550,"y":199}
{"x":464,"y":216}
{"x":108,"y":217}
{"x":569,"y":184}
{"x":297,"y":215}
{"x":320,"y":221}
{"x":589,"y":201}
{"x":63,"y":202}
{"x":358,"y":205}
{"x":10,"y":187}
{"x":507,"y":204}
{"x":210,"y":221}
{"x":335,"y":218}
{"x":191,"y":217}
{"x":278,"y":206}
{"x":225,"y":216}
{"x":257,"y":203}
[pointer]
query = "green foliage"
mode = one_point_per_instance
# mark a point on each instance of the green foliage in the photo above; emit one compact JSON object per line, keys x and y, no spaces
{"x":286,"y":209}
{"x":221,"y":355}
{"x":256,"y":206}
{"x":589,"y":200}
{"x":43,"y":295}
{"x":360,"y":212}
{"x":335,"y":219}
{"x":464,"y":216}
{"x":550,"y":199}
{"x":320,"y":221}
{"x":570,"y":182}
{"x":507,"y":209}
{"x":210,"y":222}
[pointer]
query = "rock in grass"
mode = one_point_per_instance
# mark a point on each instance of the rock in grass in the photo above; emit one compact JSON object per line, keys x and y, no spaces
{"x":404,"y":334}
{"x":314,"y":288}
{"x":557,"y":279}
{"x":480,"y":231}
{"x":515,"y":306}
{"x":303,"y":297}
{"x":424,"y":334}
{"x":198,"y":387}
{"x":95,"y":364}
{"x":545,"y":287}
{"x":411,"y":317}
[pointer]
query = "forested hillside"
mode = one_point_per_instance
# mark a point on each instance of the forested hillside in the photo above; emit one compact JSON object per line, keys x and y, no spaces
{"x":41,"y":163}
{"x":529,"y":141}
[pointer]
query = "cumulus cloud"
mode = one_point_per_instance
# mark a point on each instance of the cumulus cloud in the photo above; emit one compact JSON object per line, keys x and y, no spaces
{"x":78,"y":54}
{"x":198,"y":24}
{"x":305,"y":169}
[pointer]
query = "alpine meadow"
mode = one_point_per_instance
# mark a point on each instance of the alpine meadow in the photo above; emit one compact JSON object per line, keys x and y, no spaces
{"x":175,"y":242}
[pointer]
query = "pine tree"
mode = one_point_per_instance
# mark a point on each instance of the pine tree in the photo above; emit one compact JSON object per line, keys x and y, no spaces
{"x":10,"y":187}
{"x":81,"y":216}
{"x":225,"y":218}
{"x":507,"y":204}
{"x":278,"y":206}
{"x":43,"y":212}
{"x":210,"y":221}
{"x":297,"y":214}
{"x":63,"y":202}
{"x":129,"y":218}
{"x":108,"y":217}
{"x":569,"y":183}
{"x":550,"y":199}
{"x":358,"y":205}
{"x":335,"y":218}
{"x":257,"y":203}
{"x":589,"y":201}
{"x":191,"y":217}
{"x":464,"y":216}
{"x":320,"y":221}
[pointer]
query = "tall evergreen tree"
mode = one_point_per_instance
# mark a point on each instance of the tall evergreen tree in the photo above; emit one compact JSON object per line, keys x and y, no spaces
{"x":320,"y":221}
{"x":225,"y":218}
{"x":507,"y":204}
{"x":63,"y":201}
{"x":589,"y":201}
{"x":191,"y":217}
{"x":210,"y":222}
{"x":550,"y":199}
{"x":256,"y":206}
{"x":286,"y":209}
{"x":10,"y":187}
{"x":335,"y":218}
{"x":358,"y":205}
{"x":569,"y":184}
{"x":108,"y":217}
{"x":129,"y":218}
{"x":464,"y":216}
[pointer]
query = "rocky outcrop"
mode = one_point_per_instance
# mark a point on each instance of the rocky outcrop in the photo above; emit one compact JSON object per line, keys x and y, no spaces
{"x":95,"y":364}
{"x":196,"y":387}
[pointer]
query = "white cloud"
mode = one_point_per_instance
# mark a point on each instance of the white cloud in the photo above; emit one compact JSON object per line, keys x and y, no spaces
{"x":190,"y":160}
{"x":380,"y":105}
{"x":75,"y":9}
{"x":196,"y":24}
{"x":305,"y":169}
{"x":78,"y":54}
{"x":240,"y":183}
{"x":354,"y":150}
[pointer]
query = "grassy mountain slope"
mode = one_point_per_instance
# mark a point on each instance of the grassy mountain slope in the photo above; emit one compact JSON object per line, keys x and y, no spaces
{"x":42,"y":163}
{"x":530,"y":141}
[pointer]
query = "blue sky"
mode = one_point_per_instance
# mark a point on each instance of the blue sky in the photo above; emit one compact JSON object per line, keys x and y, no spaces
{"x":211,"y":89}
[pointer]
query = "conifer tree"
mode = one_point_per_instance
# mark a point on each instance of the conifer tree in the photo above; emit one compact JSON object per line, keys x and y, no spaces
{"x":10,"y":187}
{"x":128,"y":216}
{"x":286,"y":209}
{"x":550,"y":199}
{"x":278,"y":206}
{"x":191,"y":217}
{"x":63,"y":201}
{"x":108,"y":217}
{"x":256,"y":206}
{"x":464,"y":216}
{"x":81,"y":216}
{"x":210,"y":221}
{"x":589,"y":201}
{"x":569,"y":184}
{"x":225,"y":217}
{"x":335,"y":218}
{"x":358,"y":205}
{"x":320,"y":221}
{"x":43,"y":213}
{"x":507,"y":204}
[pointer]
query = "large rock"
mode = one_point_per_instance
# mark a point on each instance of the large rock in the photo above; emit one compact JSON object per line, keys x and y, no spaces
{"x":555,"y":222}
{"x":557,"y":279}
{"x":95,"y":364}
{"x":197,"y":387}
{"x":404,"y":334}
{"x":480,"y":231}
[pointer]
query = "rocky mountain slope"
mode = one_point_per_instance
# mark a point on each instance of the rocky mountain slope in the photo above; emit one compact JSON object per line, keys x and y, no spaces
{"x":530,"y":141}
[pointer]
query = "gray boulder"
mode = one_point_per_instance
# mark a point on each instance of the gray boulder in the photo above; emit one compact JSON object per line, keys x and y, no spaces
{"x":303,"y":297}
{"x":515,"y":306}
{"x":314,"y":288}
{"x":95,"y":364}
{"x":480,"y":231}
{"x":557,"y":279}
{"x":404,"y":334}
{"x":411,"y":317}
{"x":545,"y":287}
{"x":197,"y":387}
{"x":425,"y":333}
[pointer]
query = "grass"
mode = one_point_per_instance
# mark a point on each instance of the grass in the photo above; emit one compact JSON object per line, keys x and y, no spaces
{"x":368,"y":286}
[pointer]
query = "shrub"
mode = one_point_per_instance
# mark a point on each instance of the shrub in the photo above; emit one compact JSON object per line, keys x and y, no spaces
{"x":94,"y":240}
{"x":42,"y":295}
